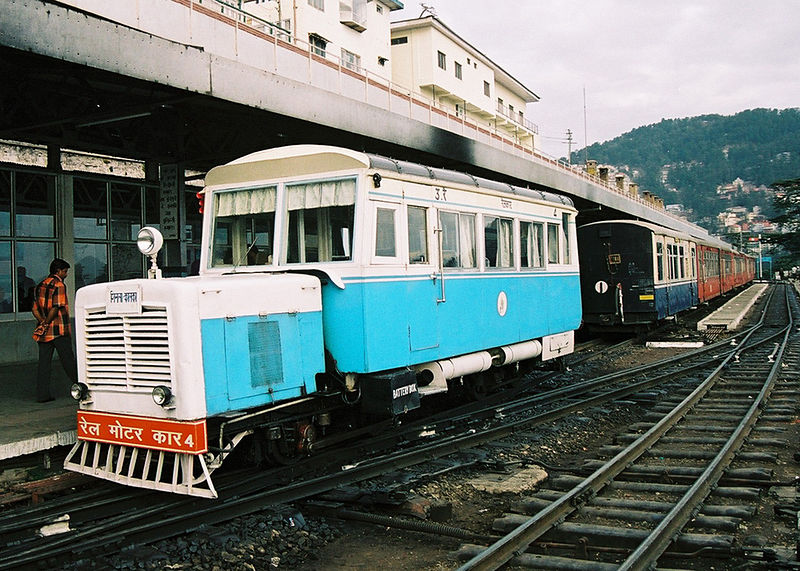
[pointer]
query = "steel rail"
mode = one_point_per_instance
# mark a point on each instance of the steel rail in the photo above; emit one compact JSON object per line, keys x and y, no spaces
{"x":161,"y":521}
{"x":663,"y":535}
{"x":516,"y":542}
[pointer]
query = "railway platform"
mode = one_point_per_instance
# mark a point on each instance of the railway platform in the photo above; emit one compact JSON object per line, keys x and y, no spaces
{"x":28,"y":427}
{"x":731,"y":314}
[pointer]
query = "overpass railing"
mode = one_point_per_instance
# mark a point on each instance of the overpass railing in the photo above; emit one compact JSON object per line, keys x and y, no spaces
{"x":222,"y":28}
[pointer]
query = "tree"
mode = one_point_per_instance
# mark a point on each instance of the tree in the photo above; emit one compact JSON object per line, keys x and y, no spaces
{"x":787,"y":205}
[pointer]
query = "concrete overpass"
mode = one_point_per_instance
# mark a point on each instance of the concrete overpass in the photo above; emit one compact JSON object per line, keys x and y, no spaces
{"x":75,"y":78}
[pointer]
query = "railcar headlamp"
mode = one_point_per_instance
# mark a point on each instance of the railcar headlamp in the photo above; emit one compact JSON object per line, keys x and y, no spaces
{"x":149,"y":241}
{"x":162,"y":396}
{"x":79,"y":391}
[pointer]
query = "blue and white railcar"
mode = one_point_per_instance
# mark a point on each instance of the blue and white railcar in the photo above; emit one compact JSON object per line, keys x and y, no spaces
{"x":323,"y":271}
{"x":635,"y":273}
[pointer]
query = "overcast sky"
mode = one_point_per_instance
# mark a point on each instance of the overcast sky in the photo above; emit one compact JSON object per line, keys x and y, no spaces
{"x":639,"y":61}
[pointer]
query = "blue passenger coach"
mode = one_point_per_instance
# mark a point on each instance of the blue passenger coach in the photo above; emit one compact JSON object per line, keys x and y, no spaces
{"x":325,"y":273}
{"x":635,"y":273}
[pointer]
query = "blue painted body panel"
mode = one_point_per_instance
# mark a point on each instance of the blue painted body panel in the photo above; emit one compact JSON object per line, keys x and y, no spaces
{"x":252,"y":361}
{"x":407,"y":326}
{"x":674,"y":298}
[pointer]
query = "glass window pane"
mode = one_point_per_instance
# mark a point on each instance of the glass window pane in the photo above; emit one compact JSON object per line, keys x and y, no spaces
{"x":450,"y":241}
{"x":127,"y":262}
{"x":565,"y":233}
{"x":126,"y":211}
{"x":505,"y":242}
{"x":5,"y":203}
{"x":385,"y":236}
{"x":467,"y":240}
{"x":6,"y":291}
{"x":498,"y":239}
{"x":552,"y":243}
{"x":417,"y":235}
{"x":490,"y":240}
{"x":36,"y":205}
{"x":91,"y":216}
{"x":33,"y":265}
{"x":91,"y":264}
{"x":532,"y":239}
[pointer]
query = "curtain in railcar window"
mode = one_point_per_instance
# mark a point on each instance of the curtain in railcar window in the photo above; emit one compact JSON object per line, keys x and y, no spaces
{"x":565,"y":234}
{"x":552,"y":243}
{"x":321,"y":216}
{"x":244,"y":222}
{"x":532,"y":245}
{"x":498,"y":234}
{"x":467,"y":240}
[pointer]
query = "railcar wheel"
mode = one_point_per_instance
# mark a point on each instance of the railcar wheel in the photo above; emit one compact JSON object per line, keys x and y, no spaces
{"x":296,"y":443}
{"x":477,"y":386}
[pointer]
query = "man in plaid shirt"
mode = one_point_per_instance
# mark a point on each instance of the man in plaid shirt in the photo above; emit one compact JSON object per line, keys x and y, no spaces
{"x":51,"y":309}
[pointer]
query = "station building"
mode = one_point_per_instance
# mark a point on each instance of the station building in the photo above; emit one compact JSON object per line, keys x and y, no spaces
{"x":88,"y":209}
{"x":442,"y":66}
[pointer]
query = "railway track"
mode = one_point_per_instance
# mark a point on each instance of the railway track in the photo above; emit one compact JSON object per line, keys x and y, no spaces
{"x":105,"y":519}
{"x":622,"y":517}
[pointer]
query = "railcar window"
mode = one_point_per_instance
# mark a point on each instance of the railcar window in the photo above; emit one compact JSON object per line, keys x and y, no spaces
{"x":244,"y":226}
{"x":565,"y":235}
{"x":458,"y":239}
{"x":693,"y":262}
{"x":682,"y":260}
{"x":320,"y":221}
{"x":417,"y":235}
{"x":552,"y":243}
{"x":531,"y":239}
{"x":385,"y":233}
{"x":498,"y":239}
{"x":660,"y":260}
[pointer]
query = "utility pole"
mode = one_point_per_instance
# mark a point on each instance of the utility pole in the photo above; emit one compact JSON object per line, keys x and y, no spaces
{"x":569,"y":147}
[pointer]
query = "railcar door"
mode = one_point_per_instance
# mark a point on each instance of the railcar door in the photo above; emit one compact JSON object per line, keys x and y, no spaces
{"x":424,"y":286}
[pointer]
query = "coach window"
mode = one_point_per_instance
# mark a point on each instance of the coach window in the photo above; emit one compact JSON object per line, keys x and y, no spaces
{"x":565,"y":218}
{"x":321,"y":221}
{"x":682,"y":260}
{"x":417,"y":235}
{"x":660,"y":260}
{"x":552,"y":244}
{"x":531,"y":240}
{"x":458,"y":239}
{"x":693,"y":262}
{"x":498,"y":240}
{"x":386,"y":232}
{"x":244,"y":223}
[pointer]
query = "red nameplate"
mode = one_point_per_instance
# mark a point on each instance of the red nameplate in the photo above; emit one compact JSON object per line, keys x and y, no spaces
{"x":143,"y":432}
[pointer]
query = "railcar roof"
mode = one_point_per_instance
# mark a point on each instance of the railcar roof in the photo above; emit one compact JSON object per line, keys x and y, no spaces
{"x":307,"y":159}
{"x":705,"y":240}
{"x":444,"y":175}
{"x":648,"y":225}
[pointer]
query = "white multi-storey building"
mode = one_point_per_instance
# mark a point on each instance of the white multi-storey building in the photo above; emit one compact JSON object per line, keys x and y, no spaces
{"x":354,"y":32}
{"x":431,"y":59}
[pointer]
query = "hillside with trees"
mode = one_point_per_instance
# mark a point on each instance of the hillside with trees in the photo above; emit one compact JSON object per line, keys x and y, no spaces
{"x":702,"y":162}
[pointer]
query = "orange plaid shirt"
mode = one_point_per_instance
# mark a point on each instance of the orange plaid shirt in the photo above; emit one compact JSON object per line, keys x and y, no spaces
{"x":52,"y":292}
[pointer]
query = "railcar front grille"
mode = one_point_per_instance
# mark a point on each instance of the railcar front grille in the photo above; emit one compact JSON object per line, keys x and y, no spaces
{"x":129,"y":352}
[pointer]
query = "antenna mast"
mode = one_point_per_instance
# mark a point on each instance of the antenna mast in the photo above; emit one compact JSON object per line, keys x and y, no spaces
{"x":585,"y":136}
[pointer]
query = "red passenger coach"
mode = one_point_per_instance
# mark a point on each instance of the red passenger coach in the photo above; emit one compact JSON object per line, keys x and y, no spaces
{"x":721,"y":269}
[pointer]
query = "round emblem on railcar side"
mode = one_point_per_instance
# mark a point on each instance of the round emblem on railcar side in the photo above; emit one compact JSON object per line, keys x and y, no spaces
{"x":601,"y":287}
{"x":502,"y":303}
